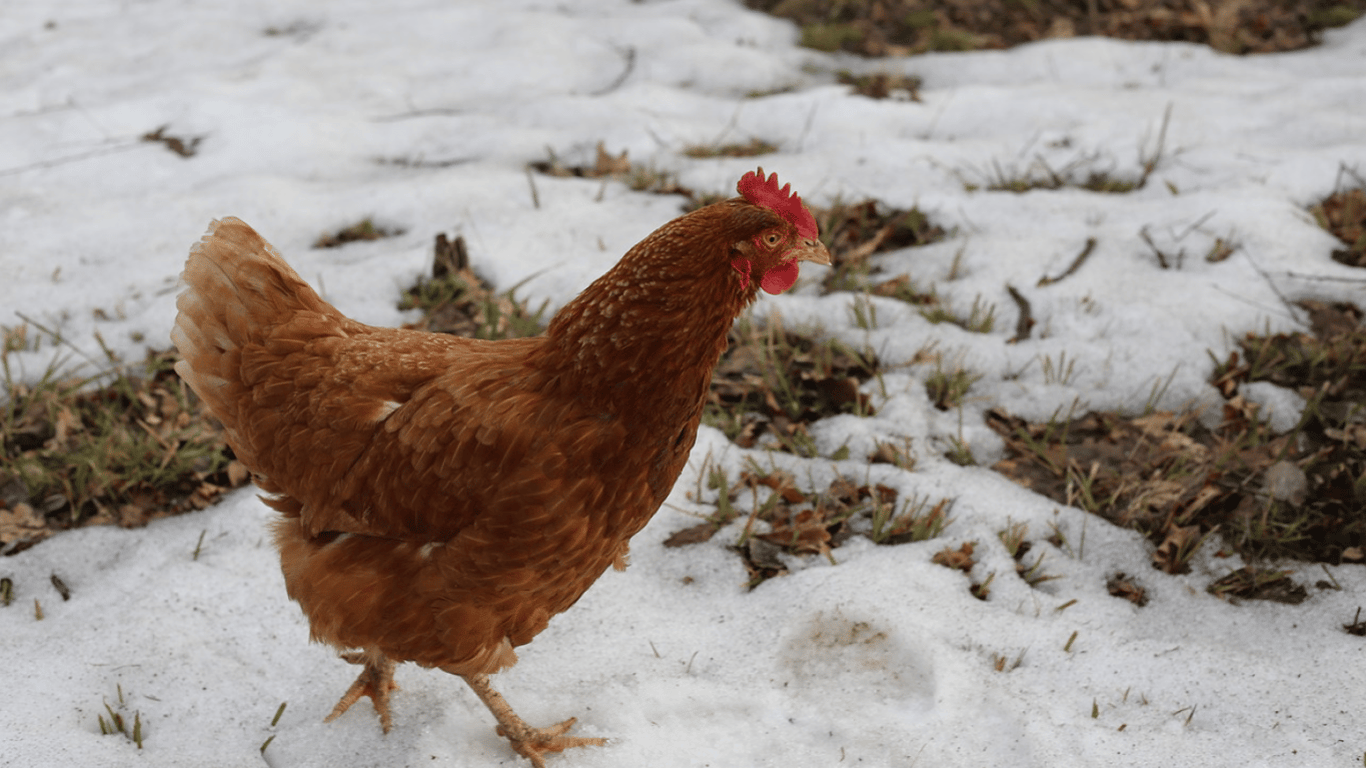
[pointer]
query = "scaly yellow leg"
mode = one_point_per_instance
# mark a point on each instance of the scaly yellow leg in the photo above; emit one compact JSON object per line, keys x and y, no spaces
{"x":375,"y":681}
{"x":531,"y":743}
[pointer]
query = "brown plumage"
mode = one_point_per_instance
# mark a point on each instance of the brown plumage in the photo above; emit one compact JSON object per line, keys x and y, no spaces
{"x":442,"y":498}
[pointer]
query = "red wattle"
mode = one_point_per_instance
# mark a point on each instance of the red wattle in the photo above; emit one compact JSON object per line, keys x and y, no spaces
{"x":780,"y":278}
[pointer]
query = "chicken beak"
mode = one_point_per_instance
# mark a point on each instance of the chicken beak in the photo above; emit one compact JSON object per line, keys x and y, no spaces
{"x":811,"y":249}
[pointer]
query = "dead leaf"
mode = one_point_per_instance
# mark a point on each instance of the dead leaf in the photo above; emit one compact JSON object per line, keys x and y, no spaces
{"x":1173,"y":554}
{"x":781,"y":482}
{"x":762,"y":555}
{"x":806,"y":533}
{"x":844,"y":490}
{"x":886,"y":494}
{"x":886,"y":453}
{"x":1254,"y":584}
{"x":22,"y":523}
{"x":960,"y":559}
{"x":695,"y":534}
{"x":1121,"y":585}
{"x":609,"y":165}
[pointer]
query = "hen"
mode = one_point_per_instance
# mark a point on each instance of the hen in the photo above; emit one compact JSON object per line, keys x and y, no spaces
{"x":442,"y":498}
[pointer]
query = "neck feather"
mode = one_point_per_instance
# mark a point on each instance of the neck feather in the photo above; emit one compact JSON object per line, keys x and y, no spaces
{"x":644,"y":338}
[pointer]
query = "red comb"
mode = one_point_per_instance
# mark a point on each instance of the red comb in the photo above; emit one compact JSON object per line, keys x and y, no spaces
{"x":765,"y":192}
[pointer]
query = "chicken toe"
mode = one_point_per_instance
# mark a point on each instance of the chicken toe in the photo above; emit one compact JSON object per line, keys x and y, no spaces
{"x":375,"y":681}
{"x":531,"y":743}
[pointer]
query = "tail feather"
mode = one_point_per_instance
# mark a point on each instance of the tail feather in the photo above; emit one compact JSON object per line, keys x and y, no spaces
{"x":238,"y":290}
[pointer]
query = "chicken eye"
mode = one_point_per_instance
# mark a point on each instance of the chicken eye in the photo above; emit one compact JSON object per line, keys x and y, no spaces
{"x":772,"y":239}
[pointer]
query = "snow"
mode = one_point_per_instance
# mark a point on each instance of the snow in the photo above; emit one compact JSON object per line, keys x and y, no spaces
{"x":881,"y":659}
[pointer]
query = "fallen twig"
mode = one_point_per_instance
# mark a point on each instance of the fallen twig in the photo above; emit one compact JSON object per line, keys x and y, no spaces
{"x":1026,"y":321}
{"x":1073,"y":267}
{"x":630,"y":55}
{"x":1161,"y":257}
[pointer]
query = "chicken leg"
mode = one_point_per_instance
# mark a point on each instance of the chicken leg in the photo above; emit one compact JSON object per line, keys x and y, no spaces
{"x":375,"y":681}
{"x":531,"y":743}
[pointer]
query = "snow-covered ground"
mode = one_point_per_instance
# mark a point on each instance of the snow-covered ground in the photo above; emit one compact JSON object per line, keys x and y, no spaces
{"x":423,"y":116}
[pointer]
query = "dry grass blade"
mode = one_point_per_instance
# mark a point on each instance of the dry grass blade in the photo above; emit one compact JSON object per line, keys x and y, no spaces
{"x":947,"y":388}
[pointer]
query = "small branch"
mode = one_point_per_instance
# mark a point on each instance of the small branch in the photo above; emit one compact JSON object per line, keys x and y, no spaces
{"x":1073,"y":267}
{"x":449,"y":257}
{"x":1149,"y":162}
{"x":1329,"y":278}
{"x":416,"y":113}
{"x":61,"y":587}
{"x":1198,"y":223}
{"x":630,"y":56}
{"x":531,"y":181}
{"x":1285,"y":301}
{"x":1161,"y":257}
{"x":1026,"y":322}
{"x":70,"y":158}
{"x":174,"y":143}
{"x":806,"y":127}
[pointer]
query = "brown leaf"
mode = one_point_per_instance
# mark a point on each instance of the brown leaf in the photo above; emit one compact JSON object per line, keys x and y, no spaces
{"x":886,"y":453}
{"x":695,"y":534}
{"x":22,"y":523}
{"x":763,"y":555}
{"x":892,"y":287}
{"x":1173,"y":554}
{"x":844,"y":490}
{"x":782,"y":482}
{"x":960,"y":558}
{"x":806,"y":533}
{"x":609,"y":165}
{"x":748,"y":435}
{"x":885,"y":494}
{"x":843,"y":391}
{"x":1253,"y":584}
{"x":132,"y":515}
{"x":1121,"y":585}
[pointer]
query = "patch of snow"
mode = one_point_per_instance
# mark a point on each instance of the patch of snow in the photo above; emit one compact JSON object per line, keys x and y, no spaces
{"x":423,"y":116}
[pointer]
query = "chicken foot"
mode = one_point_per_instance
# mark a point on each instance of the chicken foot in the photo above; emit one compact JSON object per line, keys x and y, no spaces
{"x":375,"y":681}
{"x":531,"y":743}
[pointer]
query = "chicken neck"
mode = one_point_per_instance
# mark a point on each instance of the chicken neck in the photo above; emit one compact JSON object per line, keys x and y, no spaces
{"x":642,"y":343}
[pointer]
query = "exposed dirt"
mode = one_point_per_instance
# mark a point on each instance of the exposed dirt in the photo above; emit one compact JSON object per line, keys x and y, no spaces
{"x":901,"y":27}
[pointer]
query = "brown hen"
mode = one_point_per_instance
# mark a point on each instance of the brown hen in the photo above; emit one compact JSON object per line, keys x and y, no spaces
{"x":442,"y":498}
